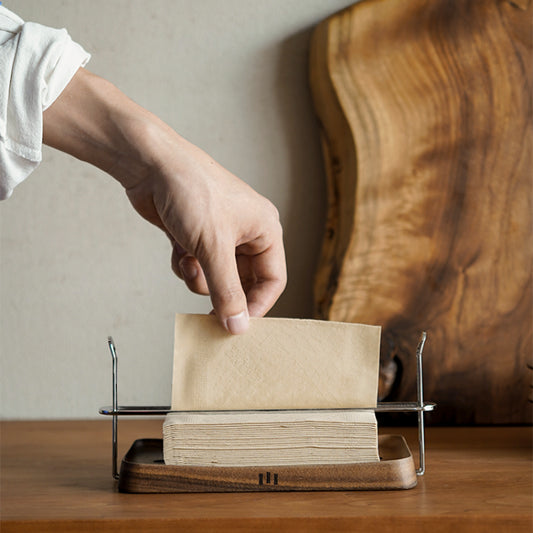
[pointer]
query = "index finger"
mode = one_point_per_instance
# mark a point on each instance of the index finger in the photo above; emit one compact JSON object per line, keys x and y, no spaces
{"x":270,"y":272}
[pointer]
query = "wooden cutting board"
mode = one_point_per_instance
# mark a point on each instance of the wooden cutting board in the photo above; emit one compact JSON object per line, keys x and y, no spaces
{"x":426,"y":115}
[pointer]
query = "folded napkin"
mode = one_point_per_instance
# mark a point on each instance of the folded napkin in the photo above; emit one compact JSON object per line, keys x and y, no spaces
{"x":270,"y":438}
{"x":278,"y":364}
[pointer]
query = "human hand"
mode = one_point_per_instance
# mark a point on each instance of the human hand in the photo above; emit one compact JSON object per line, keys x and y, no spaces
{"x":226,"y":238}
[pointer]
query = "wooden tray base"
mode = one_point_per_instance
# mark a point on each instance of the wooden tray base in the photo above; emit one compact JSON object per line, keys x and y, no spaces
{"x":143,"y":471}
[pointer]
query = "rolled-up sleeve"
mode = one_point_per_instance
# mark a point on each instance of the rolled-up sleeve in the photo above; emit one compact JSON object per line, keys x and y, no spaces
{"x":36,"y":64}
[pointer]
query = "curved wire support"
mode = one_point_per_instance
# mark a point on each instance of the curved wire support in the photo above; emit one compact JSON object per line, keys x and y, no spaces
{"x":113,"y":351}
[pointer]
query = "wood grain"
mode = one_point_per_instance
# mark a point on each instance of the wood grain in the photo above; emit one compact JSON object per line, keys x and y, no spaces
{"x":426,"y":115}
{"x":56,"y":476}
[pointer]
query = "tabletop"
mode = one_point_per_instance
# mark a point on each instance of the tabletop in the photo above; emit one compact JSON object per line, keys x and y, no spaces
{"x":56,"y":476}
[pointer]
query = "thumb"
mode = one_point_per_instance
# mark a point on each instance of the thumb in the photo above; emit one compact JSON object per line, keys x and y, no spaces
{"x":227,"y":293}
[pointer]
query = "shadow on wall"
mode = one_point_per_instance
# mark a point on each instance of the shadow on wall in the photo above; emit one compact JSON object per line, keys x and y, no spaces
{"x":304,"y":216}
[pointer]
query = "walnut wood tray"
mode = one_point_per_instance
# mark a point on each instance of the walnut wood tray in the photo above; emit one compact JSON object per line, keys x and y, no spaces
{"x":143,"y":471}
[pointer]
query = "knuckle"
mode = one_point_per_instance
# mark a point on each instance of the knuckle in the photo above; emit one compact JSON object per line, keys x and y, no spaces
{"x":278,"y":285}
{"x":272,"y":211}
{"x":230,"y":293}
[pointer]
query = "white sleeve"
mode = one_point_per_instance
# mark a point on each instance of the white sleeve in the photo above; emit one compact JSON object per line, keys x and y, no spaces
{"x":36,"y":64}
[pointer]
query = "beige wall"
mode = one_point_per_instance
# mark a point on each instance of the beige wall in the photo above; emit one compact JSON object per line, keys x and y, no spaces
{"x":77,"y":263}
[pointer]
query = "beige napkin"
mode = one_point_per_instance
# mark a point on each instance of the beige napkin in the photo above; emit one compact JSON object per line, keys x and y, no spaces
{"x":265,"y":438}
{"x":278,"y":364}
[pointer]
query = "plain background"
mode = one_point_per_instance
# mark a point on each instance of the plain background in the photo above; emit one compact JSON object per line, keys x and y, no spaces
{"x":78,"y":264}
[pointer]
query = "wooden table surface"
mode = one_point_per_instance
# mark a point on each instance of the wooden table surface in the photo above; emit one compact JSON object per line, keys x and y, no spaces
{"x":56,"y":476}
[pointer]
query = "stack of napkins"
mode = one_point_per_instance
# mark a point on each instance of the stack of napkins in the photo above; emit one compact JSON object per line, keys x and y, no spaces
{"x":272,"y":438}
{"x":287,"y":392}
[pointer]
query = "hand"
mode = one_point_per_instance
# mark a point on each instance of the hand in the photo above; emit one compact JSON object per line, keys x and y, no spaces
{"x":227,"y":239}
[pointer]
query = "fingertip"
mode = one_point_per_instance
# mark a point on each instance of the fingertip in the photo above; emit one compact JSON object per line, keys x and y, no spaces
{"x":190,"y":271}
{"x":237,"y":324}
{"x":189,"y":268}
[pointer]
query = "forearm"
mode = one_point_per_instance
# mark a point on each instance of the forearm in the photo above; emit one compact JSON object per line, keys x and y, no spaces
{"x":94,"y":121}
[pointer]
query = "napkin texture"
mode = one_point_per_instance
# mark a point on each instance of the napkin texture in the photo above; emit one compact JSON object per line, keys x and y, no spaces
{"x":278,"y":364}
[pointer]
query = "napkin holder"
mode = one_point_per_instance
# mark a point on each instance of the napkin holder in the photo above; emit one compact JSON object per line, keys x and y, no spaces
{"x":143,"y":469}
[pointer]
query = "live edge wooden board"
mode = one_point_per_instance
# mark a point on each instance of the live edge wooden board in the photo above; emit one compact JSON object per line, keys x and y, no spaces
{"x":143,"y":471}
{"x":426,"y":119}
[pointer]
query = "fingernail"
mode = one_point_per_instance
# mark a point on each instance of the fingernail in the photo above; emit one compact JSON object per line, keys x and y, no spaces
{"x":189,"y":270}
{"x":238,"y":323}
